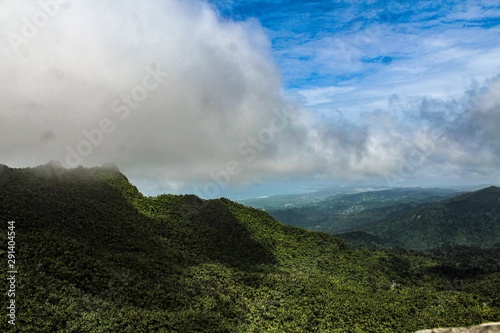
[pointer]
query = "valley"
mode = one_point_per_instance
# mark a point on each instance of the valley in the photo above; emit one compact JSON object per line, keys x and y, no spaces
{"x":94,"y":255}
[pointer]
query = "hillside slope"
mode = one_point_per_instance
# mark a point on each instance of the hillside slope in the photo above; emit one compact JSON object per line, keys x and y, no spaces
{"x":95,"y":255}
{"x":471,"y":219}
{"x":342,"y":213}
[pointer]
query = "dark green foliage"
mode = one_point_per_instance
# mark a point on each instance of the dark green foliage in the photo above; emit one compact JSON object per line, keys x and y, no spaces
{"x":361,"y":239}
{"x":413,"y":218}
{"x":471,"y":219}
{"x":95,"y":255}
{"x":343,"y":213}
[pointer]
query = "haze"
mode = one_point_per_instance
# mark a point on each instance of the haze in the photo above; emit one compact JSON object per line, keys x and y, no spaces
{"x":223,"y":98}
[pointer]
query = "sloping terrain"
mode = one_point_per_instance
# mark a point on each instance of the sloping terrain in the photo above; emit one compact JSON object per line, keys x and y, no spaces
{"x":95,"y":255}
{"x":340,"y":213}
{"x":471,"y":219}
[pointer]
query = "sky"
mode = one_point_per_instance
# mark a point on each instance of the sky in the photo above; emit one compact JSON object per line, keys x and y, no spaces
{"x":251,"y":98}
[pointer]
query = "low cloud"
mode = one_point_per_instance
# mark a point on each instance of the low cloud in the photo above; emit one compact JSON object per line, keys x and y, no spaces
{"x":175,"y":95}
{"x":455,"y":138}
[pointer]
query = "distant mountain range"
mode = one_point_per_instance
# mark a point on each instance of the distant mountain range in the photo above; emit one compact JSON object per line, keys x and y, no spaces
{"x":344,"y":212}
{"x":471,"y":219}
{"x":413,"y":218}
{"x":92,"y":254}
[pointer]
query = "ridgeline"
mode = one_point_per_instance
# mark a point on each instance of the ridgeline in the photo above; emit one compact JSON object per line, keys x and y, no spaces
{"x":93,"y":254}
{"x":470,"y":219}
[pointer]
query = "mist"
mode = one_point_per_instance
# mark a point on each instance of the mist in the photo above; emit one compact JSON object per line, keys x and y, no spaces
{"x":172,"y":93}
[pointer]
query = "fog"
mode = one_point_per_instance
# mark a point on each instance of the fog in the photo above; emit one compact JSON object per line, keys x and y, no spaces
{"x":170,"y":92}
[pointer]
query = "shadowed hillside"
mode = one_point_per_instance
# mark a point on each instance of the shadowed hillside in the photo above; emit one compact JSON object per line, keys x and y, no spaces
{"x":471,"y":219}
{"x":95,"y":255}
{"x":341,"y":212}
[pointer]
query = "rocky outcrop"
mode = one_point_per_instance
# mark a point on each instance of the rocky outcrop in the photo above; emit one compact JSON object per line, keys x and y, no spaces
{"x":484,"y":328}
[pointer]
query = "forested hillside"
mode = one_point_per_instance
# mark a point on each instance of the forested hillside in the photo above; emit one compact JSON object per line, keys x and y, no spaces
{"x":412,"y":218}
{"x":471,"y":219}
{"x":346,"y":212}
{"x":95,"y":255}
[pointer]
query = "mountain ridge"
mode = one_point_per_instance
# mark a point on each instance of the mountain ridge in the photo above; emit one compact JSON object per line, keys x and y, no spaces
{"x":342,"y":213}
{"x":471,"y":219}
{"x":94,"y":255}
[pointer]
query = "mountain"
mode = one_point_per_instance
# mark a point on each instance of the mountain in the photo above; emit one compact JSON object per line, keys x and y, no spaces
{"x":92,"y":254}
{"x":312,"y":196}
{"x":471,"y":219}
{"x":344,"y":212}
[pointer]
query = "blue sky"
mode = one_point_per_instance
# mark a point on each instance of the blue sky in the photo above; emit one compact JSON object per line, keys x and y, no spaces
{"x":251,"y":98}
{"x":353,"y":57}
{"x":334,"y":53}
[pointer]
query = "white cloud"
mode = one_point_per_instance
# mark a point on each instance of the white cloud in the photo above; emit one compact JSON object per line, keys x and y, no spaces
{"x":174,"y":96}
{"x":315,"y":96}
{"x":220,"y":86}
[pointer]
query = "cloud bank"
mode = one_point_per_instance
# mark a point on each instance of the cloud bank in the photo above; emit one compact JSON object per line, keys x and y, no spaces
{"x":175,"y":95}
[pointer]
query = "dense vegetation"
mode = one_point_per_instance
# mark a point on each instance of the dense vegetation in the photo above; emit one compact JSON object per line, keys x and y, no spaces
{"x":411,"y":218}
{"x":346,"y":212}
{"x":471,"y":219}
{"x":95,"y":255}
